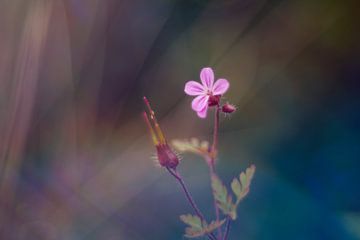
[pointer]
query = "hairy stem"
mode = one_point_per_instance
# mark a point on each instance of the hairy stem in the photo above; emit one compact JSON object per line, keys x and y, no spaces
{"x":190,"y":199}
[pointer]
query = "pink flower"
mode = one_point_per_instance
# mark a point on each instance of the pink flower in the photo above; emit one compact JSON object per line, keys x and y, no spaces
{"x":208,"y":93}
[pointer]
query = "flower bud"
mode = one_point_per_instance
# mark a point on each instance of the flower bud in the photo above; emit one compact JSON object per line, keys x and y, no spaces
{"x":167,"y":157}
{"x":228,"y":108}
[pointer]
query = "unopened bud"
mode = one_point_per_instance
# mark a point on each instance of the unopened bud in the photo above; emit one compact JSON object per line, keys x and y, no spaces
{"x":166,"y":156}
{"x":228,"y":108}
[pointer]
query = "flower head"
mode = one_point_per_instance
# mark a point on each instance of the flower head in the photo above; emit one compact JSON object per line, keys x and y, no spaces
{"x":165,"y":155}
{"x":228,"y":108}
{"x":208,"y":93}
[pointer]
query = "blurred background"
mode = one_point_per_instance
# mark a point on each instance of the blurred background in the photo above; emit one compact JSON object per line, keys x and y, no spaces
{"x":75,"y":156}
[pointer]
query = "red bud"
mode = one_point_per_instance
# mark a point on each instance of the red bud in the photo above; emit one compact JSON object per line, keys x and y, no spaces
{"x":228,"y":108}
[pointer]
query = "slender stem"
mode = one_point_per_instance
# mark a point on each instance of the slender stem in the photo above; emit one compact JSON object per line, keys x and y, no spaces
{"x":211,"y":163}
{"x":189,"y":198}
{"x":217,"y":211}
{"x":187,"y":193}
{"x":216,"y":131}
{"x":227,"y":228}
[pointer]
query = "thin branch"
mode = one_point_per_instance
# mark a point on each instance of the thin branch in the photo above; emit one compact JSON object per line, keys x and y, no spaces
{"x":190,"y":199}
{"x":216,"y":131}
{"x":211,"y":163}
{"x":217,"y":211}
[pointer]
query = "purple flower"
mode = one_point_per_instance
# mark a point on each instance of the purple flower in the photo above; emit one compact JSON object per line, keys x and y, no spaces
{"x":208,"y":93}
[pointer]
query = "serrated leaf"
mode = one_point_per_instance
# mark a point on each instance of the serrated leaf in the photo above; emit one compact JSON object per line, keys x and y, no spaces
{"x":236,"y":187}
{"x":219,"y":190}
{"x":191,"y":232}
{"x":241,"y":186}
{"x":198,"y":228}
{"x":223,"y":200}
{"x":195,"y":228}
{"x":192,"y":145}
{"x":191,"y":220}
{"x":214,"y":225}
{"x":243,"y":180}
{"x":250,"y":171}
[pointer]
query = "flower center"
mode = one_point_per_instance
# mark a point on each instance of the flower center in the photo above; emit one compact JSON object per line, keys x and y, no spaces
{"x":214,"y":100}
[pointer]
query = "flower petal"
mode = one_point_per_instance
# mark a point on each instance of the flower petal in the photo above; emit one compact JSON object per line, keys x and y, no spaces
{"x":193,"y":88}
{"x":220,"y":86}
{"x":207,"y":77}
{"x":199,"y":102}
{"x":202,"y":113}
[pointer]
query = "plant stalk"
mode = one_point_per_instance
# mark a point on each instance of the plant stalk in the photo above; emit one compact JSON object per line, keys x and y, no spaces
{"x":190,"y":199}
{"x":211,"y":163}
{"x":216,"y":131}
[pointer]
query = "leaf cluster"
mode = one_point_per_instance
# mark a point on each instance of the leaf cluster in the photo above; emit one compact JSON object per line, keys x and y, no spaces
{"x":240,"y":188}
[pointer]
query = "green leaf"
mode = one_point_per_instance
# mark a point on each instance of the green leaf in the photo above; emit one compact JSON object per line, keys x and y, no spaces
{"x":243,"y":179}
{"x":198,"y":228}
{"x":250,"y":171}
{"x":191,"y":232}
{"x":241,"y":186}
{"x":236,"y":187}
{"x":193,"y":221}
{"x":219,"y":190}
{"x":214,"y":225}
{"x":195,"y":228}
{"x":223,"y":200}
{"x":192,"y":145}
